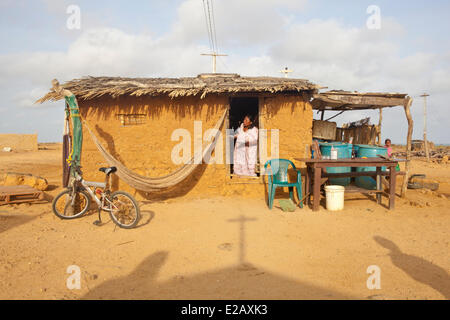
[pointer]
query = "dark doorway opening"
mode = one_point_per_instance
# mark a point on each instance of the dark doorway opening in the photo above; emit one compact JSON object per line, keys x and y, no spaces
{"x":239,"y":108}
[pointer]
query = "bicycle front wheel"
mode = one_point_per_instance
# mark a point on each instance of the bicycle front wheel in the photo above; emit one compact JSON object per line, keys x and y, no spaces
{"x":63,"y":208}
{"x":125,"y":211}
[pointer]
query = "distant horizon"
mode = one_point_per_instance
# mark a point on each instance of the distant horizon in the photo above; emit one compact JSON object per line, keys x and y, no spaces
{"x":393,"y":143}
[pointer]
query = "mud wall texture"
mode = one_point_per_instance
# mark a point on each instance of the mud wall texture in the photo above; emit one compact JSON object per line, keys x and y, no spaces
{"x":146,"y":146}
{"x":19,"y":142}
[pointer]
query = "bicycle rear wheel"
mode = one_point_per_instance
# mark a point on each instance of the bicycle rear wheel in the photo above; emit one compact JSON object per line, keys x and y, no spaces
{"x":125,"y":211}
{"x":62,"y":204}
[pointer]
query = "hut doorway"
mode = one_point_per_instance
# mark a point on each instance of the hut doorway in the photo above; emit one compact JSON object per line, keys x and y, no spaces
{"x":239,"y":108}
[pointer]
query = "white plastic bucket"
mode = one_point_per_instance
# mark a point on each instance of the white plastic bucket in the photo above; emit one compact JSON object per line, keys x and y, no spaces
{"x":335,"y":197}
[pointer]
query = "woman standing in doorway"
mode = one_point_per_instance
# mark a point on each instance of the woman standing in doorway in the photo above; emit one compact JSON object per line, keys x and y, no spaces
{"x":246,"y":148}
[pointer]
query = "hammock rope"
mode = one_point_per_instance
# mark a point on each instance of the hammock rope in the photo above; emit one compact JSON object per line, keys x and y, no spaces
{"x":149,"y":184}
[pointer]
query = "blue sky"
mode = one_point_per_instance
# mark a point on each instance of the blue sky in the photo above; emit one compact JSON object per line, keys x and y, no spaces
{"x":324,"y":41}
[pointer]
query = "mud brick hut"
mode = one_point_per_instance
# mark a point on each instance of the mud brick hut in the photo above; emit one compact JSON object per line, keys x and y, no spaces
{"x":134,"y":120}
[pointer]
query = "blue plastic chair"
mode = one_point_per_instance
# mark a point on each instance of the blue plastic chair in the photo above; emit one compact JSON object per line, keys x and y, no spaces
{"x":279,"y":178}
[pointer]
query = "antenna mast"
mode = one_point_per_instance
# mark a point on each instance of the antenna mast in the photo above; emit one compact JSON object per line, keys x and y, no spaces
{"x":286,"y":70}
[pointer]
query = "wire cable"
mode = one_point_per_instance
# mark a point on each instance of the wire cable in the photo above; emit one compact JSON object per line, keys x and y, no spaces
{"x":210,"y":26}
{"x":214,"y":28}
{"x":207,"y":26}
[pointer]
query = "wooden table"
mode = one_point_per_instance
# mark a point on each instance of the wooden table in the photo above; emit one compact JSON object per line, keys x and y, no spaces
{"x":315,"y":173}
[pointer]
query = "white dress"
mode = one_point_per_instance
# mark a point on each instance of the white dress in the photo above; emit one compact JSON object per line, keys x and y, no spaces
{"x":244,"y":158}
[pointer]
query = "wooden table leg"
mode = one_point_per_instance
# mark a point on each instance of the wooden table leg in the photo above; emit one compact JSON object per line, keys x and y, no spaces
{"x":392,"y":178}
{"x":378,"y":185}
{"x":316,"y":187}
{"x":308,"y":185}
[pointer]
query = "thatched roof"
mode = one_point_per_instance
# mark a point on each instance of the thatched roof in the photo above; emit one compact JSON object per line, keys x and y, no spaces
{"x":348,"y":100}
{"x":94,"y":87}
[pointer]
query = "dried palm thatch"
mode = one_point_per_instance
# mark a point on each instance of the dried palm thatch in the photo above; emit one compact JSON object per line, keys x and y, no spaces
{"x":94,"y":87}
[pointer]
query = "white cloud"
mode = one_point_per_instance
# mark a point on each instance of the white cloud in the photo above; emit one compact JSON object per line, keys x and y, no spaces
{"x":261,"y":37}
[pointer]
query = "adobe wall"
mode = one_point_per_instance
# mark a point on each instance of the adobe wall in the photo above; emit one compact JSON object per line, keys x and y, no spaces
{"x":19,"y":142}
{"x":146,"y":148}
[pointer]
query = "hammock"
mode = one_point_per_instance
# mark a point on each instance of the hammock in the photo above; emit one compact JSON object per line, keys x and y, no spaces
{"x":148,"y":184}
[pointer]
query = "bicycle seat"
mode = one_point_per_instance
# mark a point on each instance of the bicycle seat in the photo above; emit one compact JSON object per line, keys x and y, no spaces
{"x":108,"y":170}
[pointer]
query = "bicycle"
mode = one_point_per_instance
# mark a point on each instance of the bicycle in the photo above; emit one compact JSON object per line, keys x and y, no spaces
{"x":76,"y":200}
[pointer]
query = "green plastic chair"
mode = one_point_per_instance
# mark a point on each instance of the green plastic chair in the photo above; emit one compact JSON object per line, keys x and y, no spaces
{"x":279,"y":178}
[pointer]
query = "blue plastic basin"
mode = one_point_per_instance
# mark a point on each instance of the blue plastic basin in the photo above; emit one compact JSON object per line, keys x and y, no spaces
{"x":342,"y":152}
{"x":369,"y":152}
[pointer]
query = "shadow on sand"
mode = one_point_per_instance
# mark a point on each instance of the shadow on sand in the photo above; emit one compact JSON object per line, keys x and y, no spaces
{"x":9,"y":220}
{"x":236,"y":282}
{"x":417,"y":268}
{"x":240,"y":281}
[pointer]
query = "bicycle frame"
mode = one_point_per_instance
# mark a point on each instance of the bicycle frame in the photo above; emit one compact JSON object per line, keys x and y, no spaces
{"x":77,"y":198}
{"x":87,"y":186}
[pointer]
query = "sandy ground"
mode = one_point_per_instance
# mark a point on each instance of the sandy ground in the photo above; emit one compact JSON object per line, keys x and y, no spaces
{"x":227,"y":248}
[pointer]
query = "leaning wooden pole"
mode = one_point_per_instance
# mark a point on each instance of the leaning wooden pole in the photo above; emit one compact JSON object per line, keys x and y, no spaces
{"x":407,"y":106}
{"x":425,"y":141}
{"x":379,"y":126}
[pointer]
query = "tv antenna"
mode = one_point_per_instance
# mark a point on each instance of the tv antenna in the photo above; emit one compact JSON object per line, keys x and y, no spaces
{"x":286,"y":70}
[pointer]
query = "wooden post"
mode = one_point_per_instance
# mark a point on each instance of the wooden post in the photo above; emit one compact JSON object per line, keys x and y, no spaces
{"x":316,"y":187}
{"x":262,"y":141}
{"x":392,"y":180}
{"x":425,"y":143}
{"x":379,"y":126}
{"x":308,"y":180}
{"x":407,"y":105}
{"x":379,"y":188}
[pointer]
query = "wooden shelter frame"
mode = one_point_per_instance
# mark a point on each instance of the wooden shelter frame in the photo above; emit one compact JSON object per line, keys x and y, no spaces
{"x":346,"y":101}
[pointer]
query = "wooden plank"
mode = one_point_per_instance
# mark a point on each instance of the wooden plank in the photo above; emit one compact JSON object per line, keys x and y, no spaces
{"x":379,"y":188}
{"x":355,"y":174}
{"x":354,"y":189}
{"x":350,"y":161}
{"x":15,"y":188}
{"x":380,"y":119}
{"x":356,"y":164}
{"x":316,"y":187}
{"x":368,"y":101}
{"x":375,"y":94}
{"x":392,"y":189}
{"x":261,"y":120}
{"x":9,"y":190}
{"x":308,"y":185}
